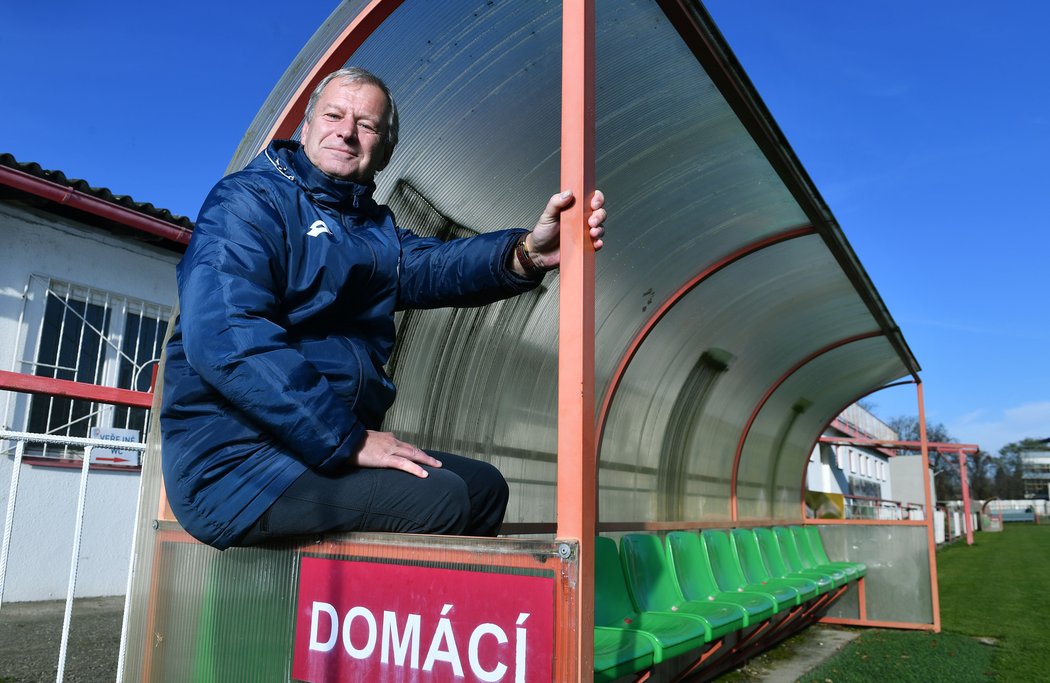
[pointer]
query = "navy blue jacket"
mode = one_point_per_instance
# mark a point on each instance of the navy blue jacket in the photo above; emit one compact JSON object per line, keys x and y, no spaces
{"x":287,"y":295}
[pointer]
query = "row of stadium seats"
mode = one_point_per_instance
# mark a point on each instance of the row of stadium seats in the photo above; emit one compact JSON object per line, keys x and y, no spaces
{"x":658,"y":599}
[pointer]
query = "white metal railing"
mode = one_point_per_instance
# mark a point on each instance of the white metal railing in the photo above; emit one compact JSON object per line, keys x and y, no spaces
{"x":863,"y":507}
{"x":21,"y":439}
{"x":1035,"y":505}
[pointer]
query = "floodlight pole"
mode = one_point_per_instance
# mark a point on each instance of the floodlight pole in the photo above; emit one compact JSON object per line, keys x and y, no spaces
{"x":577,"y":470}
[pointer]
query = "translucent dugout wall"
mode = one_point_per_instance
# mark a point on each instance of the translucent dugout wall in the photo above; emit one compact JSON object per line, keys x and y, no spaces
{"x":694,"y":176}
{"x":733,"y":321}
{"x":898,"y":579}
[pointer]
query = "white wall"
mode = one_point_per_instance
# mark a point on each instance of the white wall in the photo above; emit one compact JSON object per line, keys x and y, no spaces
{"x":824,"y":474}
{"x":906,"y":475}
{"x":34,"y":242}
{"x":42,"y":535}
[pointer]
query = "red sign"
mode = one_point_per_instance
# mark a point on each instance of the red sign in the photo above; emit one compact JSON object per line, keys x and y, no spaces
{"x":369,"y":621}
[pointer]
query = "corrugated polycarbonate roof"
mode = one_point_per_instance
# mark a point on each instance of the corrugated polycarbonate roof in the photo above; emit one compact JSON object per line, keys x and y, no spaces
{"x":733,"y":320}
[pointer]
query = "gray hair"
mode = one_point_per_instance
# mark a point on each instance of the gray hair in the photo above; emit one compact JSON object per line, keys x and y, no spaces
{"x":355,"y":74}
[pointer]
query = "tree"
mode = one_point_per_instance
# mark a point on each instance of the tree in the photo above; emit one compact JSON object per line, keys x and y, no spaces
{"x":981,"y":469}
{"x":1009,"y":475}
{"x":868,"y":405}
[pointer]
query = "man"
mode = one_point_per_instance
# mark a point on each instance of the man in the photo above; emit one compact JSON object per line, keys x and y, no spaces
{"x":274,"y":388}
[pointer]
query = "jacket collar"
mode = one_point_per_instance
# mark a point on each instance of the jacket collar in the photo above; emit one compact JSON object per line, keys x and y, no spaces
{"x":290,"y":159}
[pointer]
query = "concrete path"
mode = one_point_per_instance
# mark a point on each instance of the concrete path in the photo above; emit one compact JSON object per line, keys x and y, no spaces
{"x":794,"y":658}
{"x":31,"y":633}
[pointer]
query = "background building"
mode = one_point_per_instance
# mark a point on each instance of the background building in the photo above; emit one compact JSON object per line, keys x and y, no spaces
{"x":871,"y":482}
{"x":86,"y":290}
{"x":1036,"y":473}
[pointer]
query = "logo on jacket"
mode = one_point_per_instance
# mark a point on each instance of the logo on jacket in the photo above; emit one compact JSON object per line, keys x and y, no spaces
{"x":318,"y":228}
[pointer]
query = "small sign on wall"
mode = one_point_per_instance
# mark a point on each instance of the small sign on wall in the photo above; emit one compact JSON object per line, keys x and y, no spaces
{"x":115,"y":456}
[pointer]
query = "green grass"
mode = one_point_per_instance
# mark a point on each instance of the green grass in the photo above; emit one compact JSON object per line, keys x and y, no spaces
{"x":908,"y":657}
{"x":999,"y":588}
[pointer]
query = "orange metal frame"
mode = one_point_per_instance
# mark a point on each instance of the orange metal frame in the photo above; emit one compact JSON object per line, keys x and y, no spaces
{"x":865,"y":522}
{"x":32,"y":384}
{"x":931,"y":544}
{"x":577,"y":468}
{"x":960,"y":449}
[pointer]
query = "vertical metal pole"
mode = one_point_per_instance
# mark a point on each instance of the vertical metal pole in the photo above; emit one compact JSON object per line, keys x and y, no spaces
{"x":15,"y":367}
{"x":9,"y":519}
{"x":576,"y":402}
{"x":122,"y":652}
{"x":964,"y":480}
{"x":74,"y":565}
{"x":931,"y":542}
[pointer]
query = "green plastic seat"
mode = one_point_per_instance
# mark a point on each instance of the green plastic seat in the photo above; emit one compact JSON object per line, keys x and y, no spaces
{"x":798,"y":563}
{"x":778,"y":566}
{"x":670,"y":633}
{"x":651,"y":583}
{"x":730,"y":577}
{"x":691,"y":569}
{"x":805,"y":551}
{"x":820,"y":555}
{"x":756,"y":571}
{"x":619,"y":652}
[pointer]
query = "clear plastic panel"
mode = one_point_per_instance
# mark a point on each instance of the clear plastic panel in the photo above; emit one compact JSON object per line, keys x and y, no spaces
{"x":898,"y":581}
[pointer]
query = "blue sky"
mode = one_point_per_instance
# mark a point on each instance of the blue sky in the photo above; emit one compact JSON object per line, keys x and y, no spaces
{"x":925,"y":126}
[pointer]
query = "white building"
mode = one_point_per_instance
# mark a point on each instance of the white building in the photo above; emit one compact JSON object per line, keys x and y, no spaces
{"x":86,"y":290}
{"x":1036,"y":463}
{"x":871,"y":481}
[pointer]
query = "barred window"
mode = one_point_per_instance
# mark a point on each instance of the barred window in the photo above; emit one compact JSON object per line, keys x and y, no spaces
{"x":96,"y":337}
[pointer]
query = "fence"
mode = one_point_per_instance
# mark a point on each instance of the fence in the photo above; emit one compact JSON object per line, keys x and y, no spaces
{"x":21,"y":439}
{"x":17,"y":382}
{"x":865,"y":507}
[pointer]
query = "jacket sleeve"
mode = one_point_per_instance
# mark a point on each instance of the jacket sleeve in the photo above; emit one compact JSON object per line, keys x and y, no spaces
{"x":472,"y":271}
{"x":229,"y":283}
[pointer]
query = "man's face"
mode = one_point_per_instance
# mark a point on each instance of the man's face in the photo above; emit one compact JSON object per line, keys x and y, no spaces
{"x":346,"y":138}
